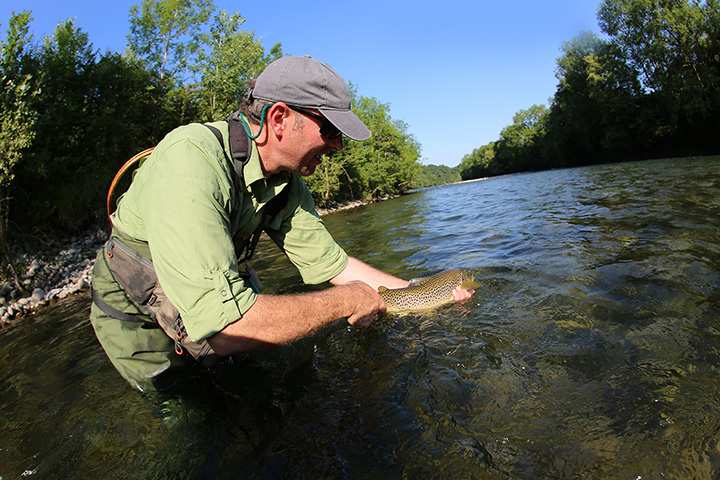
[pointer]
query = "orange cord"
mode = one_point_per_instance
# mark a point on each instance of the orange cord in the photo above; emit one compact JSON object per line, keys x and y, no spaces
{"x":119,"y":175}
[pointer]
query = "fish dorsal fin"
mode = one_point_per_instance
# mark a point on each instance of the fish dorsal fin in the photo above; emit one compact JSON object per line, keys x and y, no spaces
{"x":382,"y":289}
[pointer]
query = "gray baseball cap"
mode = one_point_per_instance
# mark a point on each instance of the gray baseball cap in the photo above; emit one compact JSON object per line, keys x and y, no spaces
{"x":305,"y":82}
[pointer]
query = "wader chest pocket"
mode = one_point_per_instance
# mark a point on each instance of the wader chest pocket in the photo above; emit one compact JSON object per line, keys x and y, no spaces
{"x":131,"y":270}
{"x":137,"y":277}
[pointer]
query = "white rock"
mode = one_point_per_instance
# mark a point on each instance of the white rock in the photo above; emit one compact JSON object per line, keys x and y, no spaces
{"x":38,"y":295}
{"x":32,"y":269}
{"x":52,"y":293}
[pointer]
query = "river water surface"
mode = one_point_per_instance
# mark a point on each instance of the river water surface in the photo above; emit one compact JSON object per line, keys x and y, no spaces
{"x":591,"y":350}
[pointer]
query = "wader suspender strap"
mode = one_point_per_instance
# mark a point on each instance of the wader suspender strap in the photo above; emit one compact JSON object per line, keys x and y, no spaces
{"x":240,"y":155}
{"x":239,"y":147}
{"x":239,"y":150}
{"x":112,"y":312}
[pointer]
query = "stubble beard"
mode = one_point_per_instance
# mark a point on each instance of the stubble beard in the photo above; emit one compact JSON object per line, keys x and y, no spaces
{"x":309,"y":169}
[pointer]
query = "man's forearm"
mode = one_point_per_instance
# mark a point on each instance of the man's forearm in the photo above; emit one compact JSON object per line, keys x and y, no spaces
{"x":281,"y":319}
{"x":356,"y":270}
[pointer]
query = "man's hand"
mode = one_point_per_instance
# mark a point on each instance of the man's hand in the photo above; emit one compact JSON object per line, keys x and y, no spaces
{"x":365,"y":304}
{"x":461,"y":294}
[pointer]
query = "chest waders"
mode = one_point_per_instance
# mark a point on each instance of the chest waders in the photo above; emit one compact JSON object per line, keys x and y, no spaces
{"x":136,"y":275}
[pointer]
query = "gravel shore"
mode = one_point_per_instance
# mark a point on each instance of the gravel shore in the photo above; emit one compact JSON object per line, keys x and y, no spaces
{"x":51,"y":276}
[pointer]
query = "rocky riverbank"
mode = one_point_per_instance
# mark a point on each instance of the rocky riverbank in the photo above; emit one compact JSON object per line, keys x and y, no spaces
{"x":49,"y":275}
{"x":56,"y":273}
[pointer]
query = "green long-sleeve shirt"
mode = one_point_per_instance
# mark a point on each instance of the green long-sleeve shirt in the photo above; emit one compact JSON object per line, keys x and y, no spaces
{"x":183,"y":201}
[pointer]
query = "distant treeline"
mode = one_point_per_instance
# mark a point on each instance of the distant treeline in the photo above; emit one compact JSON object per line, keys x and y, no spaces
{"x":71,"y":115}
{"x":436,"y":175}
{"x":650,"y":89}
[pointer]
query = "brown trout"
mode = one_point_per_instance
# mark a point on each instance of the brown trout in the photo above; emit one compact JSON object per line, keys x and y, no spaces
{"x":427,"y":293}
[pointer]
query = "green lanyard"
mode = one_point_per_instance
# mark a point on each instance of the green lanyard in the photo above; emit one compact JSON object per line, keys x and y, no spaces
{"x":245,"y":124}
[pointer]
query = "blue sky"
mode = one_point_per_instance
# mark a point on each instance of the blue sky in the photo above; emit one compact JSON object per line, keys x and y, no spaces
{"x":454,"y":71}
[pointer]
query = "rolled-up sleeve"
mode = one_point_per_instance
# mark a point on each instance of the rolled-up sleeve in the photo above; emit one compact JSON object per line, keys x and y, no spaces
{"x":302,"y":235}
{"x":186,"y":210}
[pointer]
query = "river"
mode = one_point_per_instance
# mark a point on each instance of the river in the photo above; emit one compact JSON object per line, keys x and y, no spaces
{"x":591,"y":350}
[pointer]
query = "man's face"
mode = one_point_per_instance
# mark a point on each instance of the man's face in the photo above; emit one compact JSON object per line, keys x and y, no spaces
{"x":313,"y":136}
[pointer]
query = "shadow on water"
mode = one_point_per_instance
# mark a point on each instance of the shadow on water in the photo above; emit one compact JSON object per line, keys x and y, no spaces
{"x":591,"y":350}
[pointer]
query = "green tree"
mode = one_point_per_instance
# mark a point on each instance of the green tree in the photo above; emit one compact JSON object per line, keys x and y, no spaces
{"x":335,"y":180}
{"x":388,"y":161}
{"x":168,"y":34}
{"x":383,"y":165}
{"x":430,"y":175}
{"x":519,"y":145}
{"x":92,"y":115}
{"x":480,"y":163}
{"x":65,"y":62}
{"x":235,"y":57}
{"x":675,"y":48}
{"x":594,"y":113}
{"x":17,"y":114}
{"x":666,"y":42}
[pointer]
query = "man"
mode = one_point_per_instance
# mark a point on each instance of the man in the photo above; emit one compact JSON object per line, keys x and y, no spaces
{"x":198,"y":203}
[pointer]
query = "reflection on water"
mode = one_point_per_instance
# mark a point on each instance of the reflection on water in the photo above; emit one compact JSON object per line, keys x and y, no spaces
{"x":591,"y":351}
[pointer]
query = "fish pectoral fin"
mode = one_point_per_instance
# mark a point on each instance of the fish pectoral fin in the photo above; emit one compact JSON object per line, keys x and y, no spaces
{"x":382,"y":289}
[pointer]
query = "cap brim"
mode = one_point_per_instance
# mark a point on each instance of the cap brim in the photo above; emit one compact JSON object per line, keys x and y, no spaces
{"x":347,"y":122}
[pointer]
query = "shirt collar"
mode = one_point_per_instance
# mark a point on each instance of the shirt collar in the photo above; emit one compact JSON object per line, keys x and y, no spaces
{"x":252,"y":171}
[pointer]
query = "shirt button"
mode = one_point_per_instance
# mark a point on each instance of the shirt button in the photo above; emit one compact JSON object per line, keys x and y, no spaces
{"x":224,"y":293}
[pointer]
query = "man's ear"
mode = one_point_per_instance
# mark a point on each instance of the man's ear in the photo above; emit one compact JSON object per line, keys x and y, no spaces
{"x":277,"y":119}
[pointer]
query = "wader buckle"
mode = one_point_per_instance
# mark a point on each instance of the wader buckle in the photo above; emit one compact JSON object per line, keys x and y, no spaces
{"x":180,"y":335}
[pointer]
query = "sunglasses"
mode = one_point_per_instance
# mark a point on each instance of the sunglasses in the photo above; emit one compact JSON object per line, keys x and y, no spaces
{"x":327,"y":129}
